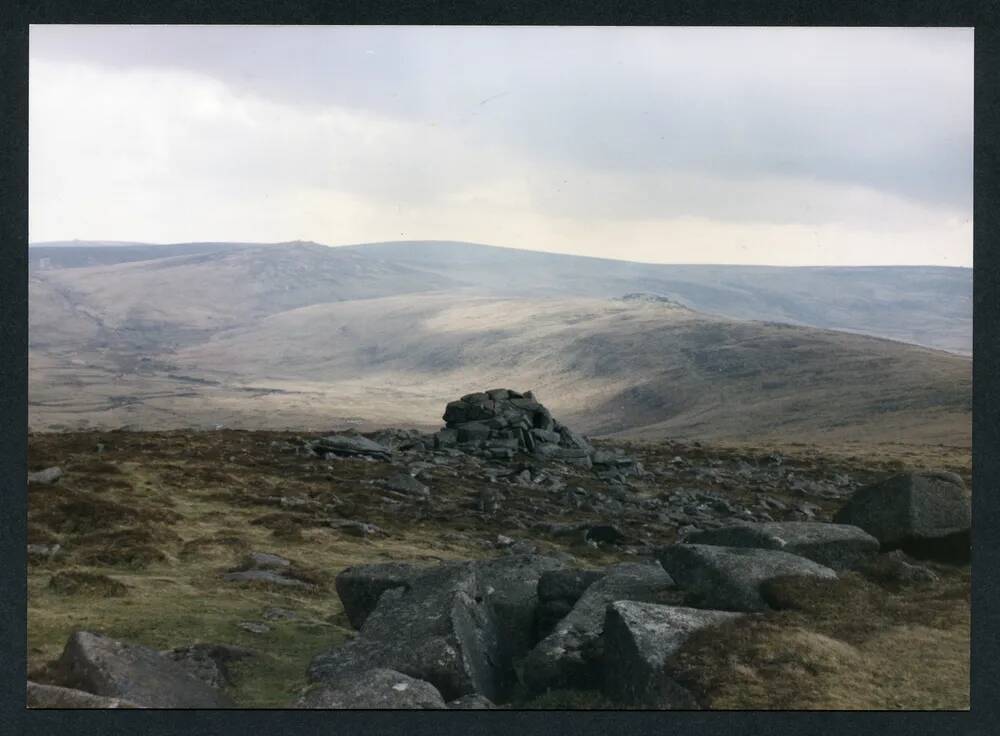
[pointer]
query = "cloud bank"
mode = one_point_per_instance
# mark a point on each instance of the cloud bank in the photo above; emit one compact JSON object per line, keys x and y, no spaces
{"x":708,"y":145}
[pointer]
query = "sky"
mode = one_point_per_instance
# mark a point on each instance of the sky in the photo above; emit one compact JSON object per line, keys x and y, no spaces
{"x":780,"y":146}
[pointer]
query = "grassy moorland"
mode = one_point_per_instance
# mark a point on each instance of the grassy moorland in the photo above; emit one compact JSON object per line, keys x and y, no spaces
{"x":148,"y":522}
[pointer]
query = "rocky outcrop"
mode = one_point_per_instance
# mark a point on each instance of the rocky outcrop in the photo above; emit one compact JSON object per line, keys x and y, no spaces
{"x":377,"y":688}
{"x":457,"y":625}
{"x":131,"y":672}
{"x":730,"y":578}
{"x":501,"y":423}
{"x":926,"y":514}
{"x":639,"y":639}
{"x":837,"y":546}
{"x":570,"y":656}
{"x":465,"y":627}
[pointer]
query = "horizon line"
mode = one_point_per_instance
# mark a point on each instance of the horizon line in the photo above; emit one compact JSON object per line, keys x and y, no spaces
{"x":124,"y":243}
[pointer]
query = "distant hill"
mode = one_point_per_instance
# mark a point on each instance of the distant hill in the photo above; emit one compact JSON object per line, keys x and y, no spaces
{"x":929,"y":306}
{"x":301,"y":335}
{"x":606,"y":366}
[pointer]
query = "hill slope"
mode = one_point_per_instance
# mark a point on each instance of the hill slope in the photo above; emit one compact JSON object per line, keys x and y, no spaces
{"x":308,"y":336}
{"x":930,"y":306}
{"x":606,"y":366}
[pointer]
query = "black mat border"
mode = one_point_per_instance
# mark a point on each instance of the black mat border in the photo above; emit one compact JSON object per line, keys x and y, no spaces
{"x":14,"y":20}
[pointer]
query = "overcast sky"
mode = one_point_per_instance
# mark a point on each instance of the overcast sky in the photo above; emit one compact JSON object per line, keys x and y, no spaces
{"x":674,"y":145}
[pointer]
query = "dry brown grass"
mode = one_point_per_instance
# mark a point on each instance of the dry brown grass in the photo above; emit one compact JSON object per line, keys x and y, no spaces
{"x":135,"y":547}
{"x":840,"y":645}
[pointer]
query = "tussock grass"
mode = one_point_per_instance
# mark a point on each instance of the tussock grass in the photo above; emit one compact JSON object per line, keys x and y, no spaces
{"x":82,"y":583}
{"x":841,"y":644}
{"x":38,"y":534}
{"x":215,"y":546}
{"x":135,"y":547}
{"x":68,"y":511}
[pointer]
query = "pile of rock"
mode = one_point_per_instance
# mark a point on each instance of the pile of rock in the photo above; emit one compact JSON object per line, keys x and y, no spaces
{"x":500,"y":423}
{"x":533,"y":622}
{"x":470,"y":631}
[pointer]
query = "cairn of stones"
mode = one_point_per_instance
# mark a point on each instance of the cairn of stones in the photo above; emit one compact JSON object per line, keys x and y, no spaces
{"x":501,"y":423}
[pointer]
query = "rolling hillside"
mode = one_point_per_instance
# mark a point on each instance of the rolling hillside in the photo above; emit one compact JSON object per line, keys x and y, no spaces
{"x":930,"y":306}
{"x":300,"y":335}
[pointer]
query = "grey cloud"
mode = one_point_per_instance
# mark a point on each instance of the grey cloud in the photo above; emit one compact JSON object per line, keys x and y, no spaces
{"x":889,"y":109}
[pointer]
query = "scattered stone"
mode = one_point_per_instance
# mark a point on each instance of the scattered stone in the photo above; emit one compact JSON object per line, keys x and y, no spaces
{"x":926,"y":514}
{"x":565,"y":530}
{"x":53,"y":696}
{"x":378,"y":688}
{"x":406,"y":483}
{"x":356,"y":528}
{"x":267,"y":577}
{"x":604,"y":534}
{"x":49,"y":475}
{"x":346,"y":445}
{"x":639,"y":639}
{"x":279,"y":614}
{"x":134,"y":673}
{"x":570,"y":656}
{"x":838,"y":546}
{"x":265,"y":561}
{"x":730,"y":578}
{"x":521,"y":547}
{"x":43,"y":552}
{"x":254,"y":627}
